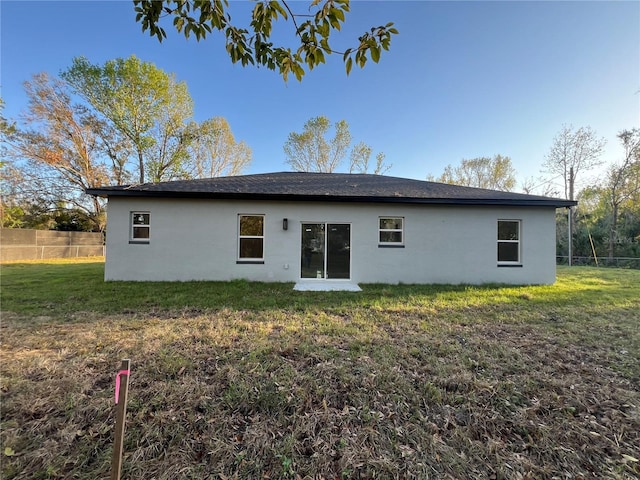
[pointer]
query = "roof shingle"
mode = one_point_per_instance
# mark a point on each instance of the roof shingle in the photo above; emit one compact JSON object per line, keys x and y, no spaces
{"x":335,"y":187}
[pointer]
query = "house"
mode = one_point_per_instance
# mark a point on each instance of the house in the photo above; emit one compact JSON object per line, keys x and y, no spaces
{"x":319,"y":229}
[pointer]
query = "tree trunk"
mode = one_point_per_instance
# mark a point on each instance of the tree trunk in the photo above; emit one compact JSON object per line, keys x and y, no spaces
{"x":141,"y":162}
{"x":97,"y":210}
{"x":571,"y":220}
{"x":612,"y":231}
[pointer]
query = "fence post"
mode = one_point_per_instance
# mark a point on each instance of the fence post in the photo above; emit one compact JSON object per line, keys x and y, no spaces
{"x":122,"y":390}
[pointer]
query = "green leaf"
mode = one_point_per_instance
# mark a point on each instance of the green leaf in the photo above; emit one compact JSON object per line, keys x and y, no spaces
{"x":310,"y":58}
{"x":361,"y":58}
{"x":335,"y":23}
{"x":277,"y":8}
{"x":375,"y":54}
{"x":324,"y":29}
{"x":9,"y":452}
{"x":299,"y":72}
{"x":349,"y":65}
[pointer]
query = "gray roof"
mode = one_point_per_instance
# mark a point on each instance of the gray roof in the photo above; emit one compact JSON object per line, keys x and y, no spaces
{"x":328,"y":187}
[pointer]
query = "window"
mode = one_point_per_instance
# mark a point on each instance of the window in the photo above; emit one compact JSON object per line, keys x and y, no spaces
{"x":390,"y":231}
{"x":508,"y":242}
{"x":251,"y":237}
{"x":140,"y":227}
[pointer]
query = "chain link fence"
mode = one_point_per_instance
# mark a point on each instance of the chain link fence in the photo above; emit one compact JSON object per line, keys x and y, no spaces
{"x":25,"y":244}
{"x":615,"y":262}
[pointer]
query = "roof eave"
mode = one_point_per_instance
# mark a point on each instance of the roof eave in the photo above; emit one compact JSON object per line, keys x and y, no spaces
{"x":557,"y":203}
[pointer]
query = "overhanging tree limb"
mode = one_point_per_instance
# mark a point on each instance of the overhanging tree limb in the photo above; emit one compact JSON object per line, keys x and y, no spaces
{"x":201,"y":17}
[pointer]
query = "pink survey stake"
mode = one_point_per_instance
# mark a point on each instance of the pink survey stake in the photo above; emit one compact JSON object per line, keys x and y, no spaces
{"x":121,"y":372}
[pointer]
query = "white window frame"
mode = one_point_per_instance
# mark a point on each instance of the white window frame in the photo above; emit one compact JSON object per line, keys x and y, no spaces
{"x":240,"y":237}
{"x":518,"y":241}
{"x":401,"y":230}
{"x":133,"y":226}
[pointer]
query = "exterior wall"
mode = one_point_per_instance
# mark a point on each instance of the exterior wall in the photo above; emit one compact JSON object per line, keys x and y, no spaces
{"x":198,"y":240}
{"x":26,"y":244}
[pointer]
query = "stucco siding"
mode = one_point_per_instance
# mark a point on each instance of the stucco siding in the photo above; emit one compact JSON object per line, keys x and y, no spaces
{"x":198,"y":240}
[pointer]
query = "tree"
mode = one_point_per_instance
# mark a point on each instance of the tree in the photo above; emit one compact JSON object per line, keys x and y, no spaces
{"x":572,"y":153}
{"x":607,"y":218}
{"x":255,"y":45}
{"x":215,"y":151}
{"x":151,"y":117}
{"x":128,"y":119}
{"x":539,"y":186}
{"x":7,"y":127}
{"x":61,"y":146}
{"x":359,"y":160}
{"x":9,"y":211}
{"x":310,"y":151}
{"x":145,"y":104}
{"x":623,"y":181}
{"x":495,"y":173}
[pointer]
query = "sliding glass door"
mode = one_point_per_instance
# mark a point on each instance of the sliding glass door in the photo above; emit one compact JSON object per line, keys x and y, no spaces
{"x":325,"y":251}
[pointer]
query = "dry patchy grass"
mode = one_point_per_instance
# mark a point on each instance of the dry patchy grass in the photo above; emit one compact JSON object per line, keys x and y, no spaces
{"x":397,"y":382}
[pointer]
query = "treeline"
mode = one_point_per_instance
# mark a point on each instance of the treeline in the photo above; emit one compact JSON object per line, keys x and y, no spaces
{"x":127,"y":121}
{"x":122,"y":122}
{"x":607,"y":218}
{"x":606,"y":222}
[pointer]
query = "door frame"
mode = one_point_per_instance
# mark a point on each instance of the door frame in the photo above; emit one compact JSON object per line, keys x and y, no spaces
{"x":326,"y":224}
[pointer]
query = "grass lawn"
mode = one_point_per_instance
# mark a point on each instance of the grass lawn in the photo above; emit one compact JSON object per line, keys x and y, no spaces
{"x":244,"y":380}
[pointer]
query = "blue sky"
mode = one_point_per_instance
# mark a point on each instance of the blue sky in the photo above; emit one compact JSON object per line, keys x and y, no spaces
{"x":462,"y":79}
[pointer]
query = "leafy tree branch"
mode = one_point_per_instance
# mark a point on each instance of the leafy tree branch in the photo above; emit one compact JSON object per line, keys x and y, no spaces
{"x":255,"y":46}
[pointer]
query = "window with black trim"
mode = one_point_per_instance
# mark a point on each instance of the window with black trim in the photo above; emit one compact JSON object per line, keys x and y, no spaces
{"x":251,"y":237}
{"x":391,"y":231}
{"x":509,"y":242}
{"x":140,"y":227}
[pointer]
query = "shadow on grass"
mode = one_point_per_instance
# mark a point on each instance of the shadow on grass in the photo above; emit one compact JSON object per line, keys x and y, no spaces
{"x":440,"y":381}
{"x":62,"y":291}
